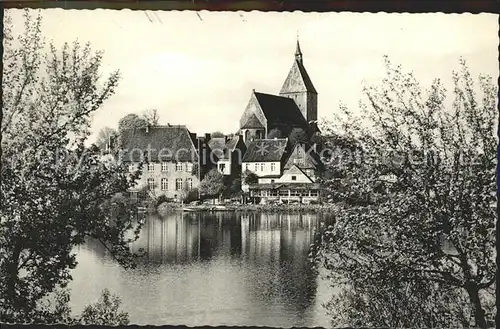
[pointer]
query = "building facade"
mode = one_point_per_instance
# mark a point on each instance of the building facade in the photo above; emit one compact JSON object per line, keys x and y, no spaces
{"x":171,"y":159}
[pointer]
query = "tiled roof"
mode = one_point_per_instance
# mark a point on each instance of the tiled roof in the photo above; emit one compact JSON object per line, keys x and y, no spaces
{"x":298,"y":80}
{"x":280,"y":110}
{"x":218,"y":146}
{"x":252,"y":123}
{"x":222,"y":146}
{"x":311,"y":160}
{"x":232,"y":142}
{"x":173,"y":143}
{"x":266,"y":150}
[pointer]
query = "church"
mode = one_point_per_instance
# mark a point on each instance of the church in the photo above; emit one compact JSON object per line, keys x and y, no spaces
{"x":296,"y":106}
{"x":286,"y":168}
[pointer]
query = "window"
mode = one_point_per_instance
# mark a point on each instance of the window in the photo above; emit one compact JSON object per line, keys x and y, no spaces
{"x":222,"y":167}
{"x":189,"y":167}
{"x":247,"y":166}
{"x":272,"y":181}
{"x":178,"y":166}
{"x":151,"y":183}
{"x":273,"y":166}
{"x":164,"y":184}
{"x":294,"y":177}
{"x":314,"y":193}
{"x":164,"y":166}
{"x":298,"y":161}
{"x":131,"y":167}
{"x":256,"y":166}
{"x":189,"y":183}
{"x":178,"y":184}
{"x":133,"y":195}
{"x":151,"y":167}
{"x":261,"y":167}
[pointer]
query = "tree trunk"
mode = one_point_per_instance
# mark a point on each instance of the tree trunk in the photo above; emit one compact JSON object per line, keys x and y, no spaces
{"x":479,"y":314}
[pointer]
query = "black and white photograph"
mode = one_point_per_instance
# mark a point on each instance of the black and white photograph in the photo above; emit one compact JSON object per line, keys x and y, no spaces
{"x":276,"y":169}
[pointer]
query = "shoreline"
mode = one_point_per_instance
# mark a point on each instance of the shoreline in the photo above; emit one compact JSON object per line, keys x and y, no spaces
{"x":316,"y":208}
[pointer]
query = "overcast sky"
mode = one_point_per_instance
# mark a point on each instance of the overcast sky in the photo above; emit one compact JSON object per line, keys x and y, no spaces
{"x":199,"y":69}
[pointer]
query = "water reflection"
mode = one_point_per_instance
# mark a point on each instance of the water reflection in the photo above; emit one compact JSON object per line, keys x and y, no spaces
{"x":214,"y":269}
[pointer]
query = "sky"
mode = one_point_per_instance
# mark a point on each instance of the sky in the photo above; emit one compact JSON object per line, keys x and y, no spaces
{"x":199,"y":68}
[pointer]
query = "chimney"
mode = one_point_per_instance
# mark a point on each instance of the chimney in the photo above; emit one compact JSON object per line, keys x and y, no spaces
{"x":207,"y":137}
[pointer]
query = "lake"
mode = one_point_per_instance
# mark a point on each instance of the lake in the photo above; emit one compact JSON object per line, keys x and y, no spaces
{"x":212,"y":269}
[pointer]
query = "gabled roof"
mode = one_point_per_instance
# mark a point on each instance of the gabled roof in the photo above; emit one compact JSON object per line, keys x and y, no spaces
{"x":294,"y":169}
{"x":298,"y":80}
{"x":222,"y":146}
{"x":311,"y":158}
{"x":166,"y":143}
{"x":218,"y":146}
{"x":280,"y":110}
{"x":232,"y":142}
{"x":252,"y":123}
{"x":266,"y":150}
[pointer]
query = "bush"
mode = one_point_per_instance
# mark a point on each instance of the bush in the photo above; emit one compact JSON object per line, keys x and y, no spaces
{"x":191,"y":196}
{"x":162,"y":199}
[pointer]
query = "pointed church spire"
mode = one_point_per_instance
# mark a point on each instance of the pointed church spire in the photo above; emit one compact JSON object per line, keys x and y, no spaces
{"x":298,"y":52}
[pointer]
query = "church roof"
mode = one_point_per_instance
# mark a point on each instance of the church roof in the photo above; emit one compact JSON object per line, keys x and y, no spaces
{"x":298,"y":80}
{"x":252,"y":123}
{"x":166,"y":143}
{"x":280,"y":110}
{"x":266,"y":150}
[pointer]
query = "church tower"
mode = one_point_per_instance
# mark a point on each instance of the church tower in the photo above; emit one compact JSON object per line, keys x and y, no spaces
{"x":299,"y":87}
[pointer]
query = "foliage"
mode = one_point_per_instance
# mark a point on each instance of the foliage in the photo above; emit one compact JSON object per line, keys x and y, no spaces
{"x":131,"y":121}
{"x":297,"y":135}
{"x":56,"y":192}
{"x":235,"y":187}
{"x":191,"y":195}
{"x":105,"y":312}
{"x":212,"y":184}
{"x":104,"y":135}
{"x":161,"y":199}
{"x":195,"y":169}
{"x":151,"y":117}
{"x":250,"y":178}
{"x":426,"y":175}
{"x":274,"y":133}
{"x":217,"y":134}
